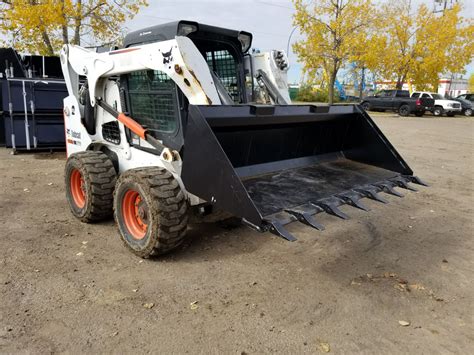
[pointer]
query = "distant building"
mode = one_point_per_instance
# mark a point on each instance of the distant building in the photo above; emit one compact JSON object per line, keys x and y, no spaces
{"x":451,"y":87}
{"x":387,"y":84}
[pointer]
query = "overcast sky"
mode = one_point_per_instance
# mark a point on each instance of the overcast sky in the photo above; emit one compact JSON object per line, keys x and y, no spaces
{"x":270,"y":21}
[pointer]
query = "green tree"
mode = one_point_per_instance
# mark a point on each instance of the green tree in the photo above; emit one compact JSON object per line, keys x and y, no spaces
{"x":43,"y":26}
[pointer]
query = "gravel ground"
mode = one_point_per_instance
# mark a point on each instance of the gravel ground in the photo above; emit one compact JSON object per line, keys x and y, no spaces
{"x":72,"y":287}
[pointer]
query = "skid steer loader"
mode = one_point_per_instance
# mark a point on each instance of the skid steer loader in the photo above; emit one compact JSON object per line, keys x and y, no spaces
{"x":183,"y":121}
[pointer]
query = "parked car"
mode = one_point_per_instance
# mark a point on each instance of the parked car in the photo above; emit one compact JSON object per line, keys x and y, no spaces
{"x":398,"y":100}
{"x":351,"y":98}
{"x":466,"y":106}
{"x":442,"y":105}
{"x":469,"y":97}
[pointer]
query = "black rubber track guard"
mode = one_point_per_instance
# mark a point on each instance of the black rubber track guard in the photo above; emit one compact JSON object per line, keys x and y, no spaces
{"x":271,"y":165}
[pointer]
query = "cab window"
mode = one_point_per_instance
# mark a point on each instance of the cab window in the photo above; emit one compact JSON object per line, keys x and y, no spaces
{"x":226,"y":67}
{"x":153,"y":101}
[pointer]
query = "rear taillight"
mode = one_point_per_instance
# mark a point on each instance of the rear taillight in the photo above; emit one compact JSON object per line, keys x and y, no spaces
{"x":418,"y":102}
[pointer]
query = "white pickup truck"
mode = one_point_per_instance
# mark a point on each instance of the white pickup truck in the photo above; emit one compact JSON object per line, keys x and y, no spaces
{"x":442,"y":105}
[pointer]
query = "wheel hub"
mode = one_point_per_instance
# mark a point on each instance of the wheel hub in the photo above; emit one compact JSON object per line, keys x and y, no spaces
{"x":78,"y":188}
{"x":135,"y":214}
{"x":142,"y":212}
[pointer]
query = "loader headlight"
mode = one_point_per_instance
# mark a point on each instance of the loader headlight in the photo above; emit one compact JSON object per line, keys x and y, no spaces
{"x":185,"y":28}
{"x":245,"y":39}
{"x":281,"y":60}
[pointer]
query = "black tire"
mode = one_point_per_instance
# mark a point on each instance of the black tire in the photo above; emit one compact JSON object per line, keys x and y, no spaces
{"x":90,"y":180}
{"x":450,"y":114}
{"x":438,"y":111}
{"x":468,"y":112}
{"x":404,"y":110}
{"x":419,"y":113}
{"x":151,"y":211}
{"x":366,"y":106}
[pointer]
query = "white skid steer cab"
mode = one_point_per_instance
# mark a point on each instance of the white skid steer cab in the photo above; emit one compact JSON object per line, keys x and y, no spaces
{"x":184,"y":121}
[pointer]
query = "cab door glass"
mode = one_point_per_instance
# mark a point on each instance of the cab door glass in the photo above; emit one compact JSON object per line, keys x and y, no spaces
{"x":153,"y":101}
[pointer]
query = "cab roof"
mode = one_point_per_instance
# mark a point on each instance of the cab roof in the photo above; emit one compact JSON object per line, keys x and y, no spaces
{"x":191,"y":29}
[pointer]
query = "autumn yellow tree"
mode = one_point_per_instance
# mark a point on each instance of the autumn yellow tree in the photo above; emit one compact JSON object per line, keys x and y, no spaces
{"x":415,"y":44}
{"x":43,"y":26}
{"x":366,"y":54}
{"x":334,"y":31}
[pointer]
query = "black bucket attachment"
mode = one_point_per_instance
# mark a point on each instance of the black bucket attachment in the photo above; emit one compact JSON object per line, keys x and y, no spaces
{"x":271,"y":165}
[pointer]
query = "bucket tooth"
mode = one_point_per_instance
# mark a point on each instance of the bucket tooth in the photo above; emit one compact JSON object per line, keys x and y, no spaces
{"x":371,"y":193}
{"x":401,"y":182}
{"x":306,"y":218}
{"x":278,"y":229}
{"x":415,"y":180}
{"x":388,"y":188}
{"x":353,"y":201}
{"x":331,"y":209}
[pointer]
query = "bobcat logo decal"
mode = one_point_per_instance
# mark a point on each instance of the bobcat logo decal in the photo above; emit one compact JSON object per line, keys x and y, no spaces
{"x":167,"y":56}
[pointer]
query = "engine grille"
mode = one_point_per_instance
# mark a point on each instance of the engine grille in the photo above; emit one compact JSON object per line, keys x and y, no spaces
{"x":456,"y":105}
{"x":111,"y":132}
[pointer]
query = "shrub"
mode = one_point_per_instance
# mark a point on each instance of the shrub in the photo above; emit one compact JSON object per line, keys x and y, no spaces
{"x":307,"y":93}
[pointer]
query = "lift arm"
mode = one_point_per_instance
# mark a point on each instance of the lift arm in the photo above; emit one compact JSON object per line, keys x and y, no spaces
{"x":178,"y":58}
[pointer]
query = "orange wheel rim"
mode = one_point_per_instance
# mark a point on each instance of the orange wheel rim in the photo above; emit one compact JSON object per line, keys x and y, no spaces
{"x":78,"y":188}
{"x":135,"y":214}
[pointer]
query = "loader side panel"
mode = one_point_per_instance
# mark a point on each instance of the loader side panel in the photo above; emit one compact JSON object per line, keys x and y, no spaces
{"x":208,"y":173}
{"x":367,"y":144}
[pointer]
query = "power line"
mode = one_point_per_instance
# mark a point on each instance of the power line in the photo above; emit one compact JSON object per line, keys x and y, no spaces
{"x":274,"y":5}
{"x":159,"y":18}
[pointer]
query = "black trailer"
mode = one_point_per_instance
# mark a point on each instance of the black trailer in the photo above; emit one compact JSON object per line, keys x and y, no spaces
{"x":31,"y":99}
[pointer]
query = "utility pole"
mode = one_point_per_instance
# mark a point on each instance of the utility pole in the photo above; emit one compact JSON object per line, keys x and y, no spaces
{"x":289,"y":40}
{"x":362,"y":83}
{"x":443,"y":5}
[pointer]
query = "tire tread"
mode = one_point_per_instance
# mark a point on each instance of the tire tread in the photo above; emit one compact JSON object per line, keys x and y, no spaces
{"x":101,"y":173}
{"x":171,"y":208}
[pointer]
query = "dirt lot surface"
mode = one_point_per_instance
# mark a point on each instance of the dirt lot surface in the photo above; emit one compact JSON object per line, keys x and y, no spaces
{"x":72,"y":287}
